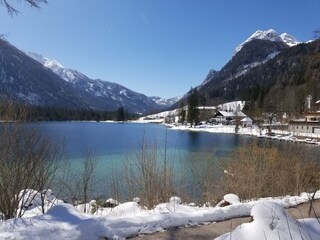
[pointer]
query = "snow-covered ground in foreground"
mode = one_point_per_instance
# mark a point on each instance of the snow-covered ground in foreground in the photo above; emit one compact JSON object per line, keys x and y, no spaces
{"x":271,"y":221}
{"x":64,"y":221}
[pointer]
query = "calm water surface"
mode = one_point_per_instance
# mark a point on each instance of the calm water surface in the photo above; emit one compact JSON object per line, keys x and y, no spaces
{"x":112,"y":143}
{"x":121,"y":138}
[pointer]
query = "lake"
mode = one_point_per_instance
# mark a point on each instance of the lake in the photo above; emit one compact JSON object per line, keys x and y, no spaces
{"x":111,"y":139}
{"x":114,"y":143}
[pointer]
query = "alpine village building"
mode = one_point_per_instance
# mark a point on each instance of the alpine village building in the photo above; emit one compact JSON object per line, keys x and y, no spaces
{"x":310,"y":124}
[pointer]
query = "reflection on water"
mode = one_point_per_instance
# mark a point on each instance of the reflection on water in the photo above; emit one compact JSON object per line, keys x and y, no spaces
{"x":114,"y":143}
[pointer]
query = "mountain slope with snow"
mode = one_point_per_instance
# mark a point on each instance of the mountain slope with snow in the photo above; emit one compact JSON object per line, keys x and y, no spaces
{"x":165,"y":102}
{"x":269,"y":75}
{"x":268,"y":71}
{"x":112,"y":94}
{"x":27,"y":81}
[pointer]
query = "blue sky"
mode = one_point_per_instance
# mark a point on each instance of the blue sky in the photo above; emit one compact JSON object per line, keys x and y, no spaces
{"x":156,"y":47}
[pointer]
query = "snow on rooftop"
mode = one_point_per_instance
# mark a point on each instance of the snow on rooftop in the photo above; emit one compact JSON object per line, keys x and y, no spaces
{"x":232,"y":114}
{"x":246,"y":119}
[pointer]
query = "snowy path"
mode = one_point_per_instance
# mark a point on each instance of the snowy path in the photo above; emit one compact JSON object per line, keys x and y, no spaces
{"x":213,"y":230}
{"x":201,"y":232}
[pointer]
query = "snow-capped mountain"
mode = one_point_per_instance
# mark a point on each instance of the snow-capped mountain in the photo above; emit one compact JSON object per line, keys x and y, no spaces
{"x":112,"y":94}
{"x":258,"y":49}
{"x":27,"y":81}
{"x":270,"y":72}
{"x":32,"y":79}
{"x":270,"y":35}
{"x":165,"y":102}
{"x":66,"y":74}
{"x":250,"y":57}
{"x":289,"y":39}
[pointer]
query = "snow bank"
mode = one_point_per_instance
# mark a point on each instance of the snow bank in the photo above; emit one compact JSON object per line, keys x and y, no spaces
{"x":35,"y":203}
{"x":271,"y":221}
{"x":129,"y":219}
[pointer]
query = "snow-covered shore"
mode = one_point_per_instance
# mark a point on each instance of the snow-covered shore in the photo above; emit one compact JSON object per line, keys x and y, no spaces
{"x":64,"y":221}
{"x":280,"y":135}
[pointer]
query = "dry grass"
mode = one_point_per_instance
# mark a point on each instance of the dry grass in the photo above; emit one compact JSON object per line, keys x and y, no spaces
{"x":261,"y":170}
{"x":148,"y":175}
{"x":252,"y":170}
{"x":204,"y":170}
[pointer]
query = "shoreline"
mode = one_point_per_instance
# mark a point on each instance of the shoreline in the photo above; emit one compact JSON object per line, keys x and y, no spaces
{"x":279,"y":135}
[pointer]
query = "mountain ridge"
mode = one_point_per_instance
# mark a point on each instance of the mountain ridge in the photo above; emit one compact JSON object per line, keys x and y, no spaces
{"x":26,"y":81}
{"x":110,"y":91}
{"x":40,"y":81}
{"x":270,"y":35}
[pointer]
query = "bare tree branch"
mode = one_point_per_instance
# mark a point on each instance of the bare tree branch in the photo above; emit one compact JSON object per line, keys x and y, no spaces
{"x":9,"y":5}
{"x":29,"y":161}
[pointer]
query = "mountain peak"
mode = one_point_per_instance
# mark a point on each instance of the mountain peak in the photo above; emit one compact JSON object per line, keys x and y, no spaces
{"x":270,"y":35}
{"x":289,"y":39}
{"x":54,"y":65}
{"x":49,"y":63}
{"x":66,"y":74}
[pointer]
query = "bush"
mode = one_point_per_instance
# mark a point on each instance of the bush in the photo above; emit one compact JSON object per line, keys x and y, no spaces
{"x":261,"y":170}
{"x":28,"y":160}
{"x":205,"y":170}
{"x":149,"y":175}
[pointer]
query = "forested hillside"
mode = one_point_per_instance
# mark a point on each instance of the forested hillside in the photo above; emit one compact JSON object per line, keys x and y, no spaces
{"x":270,"y":76}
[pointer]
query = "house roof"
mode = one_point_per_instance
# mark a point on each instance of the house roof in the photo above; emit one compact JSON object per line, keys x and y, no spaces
{"x":246,"y":119}
{"x":313,"y":123}
{"x":232,"y":114}
{"x":312,"y":114}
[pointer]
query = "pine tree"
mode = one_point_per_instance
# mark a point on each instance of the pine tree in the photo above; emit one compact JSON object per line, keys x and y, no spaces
{"x":120,"y":114}
{"x":193,"y":111}
{"x":182,"y":114}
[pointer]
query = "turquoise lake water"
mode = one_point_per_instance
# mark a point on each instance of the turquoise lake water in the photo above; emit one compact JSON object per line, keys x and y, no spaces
{"x":121,"y":138}
{"x":114,"y":143}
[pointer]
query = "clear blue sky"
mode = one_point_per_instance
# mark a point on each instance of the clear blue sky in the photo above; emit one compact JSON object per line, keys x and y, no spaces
{"x":156,"y":47}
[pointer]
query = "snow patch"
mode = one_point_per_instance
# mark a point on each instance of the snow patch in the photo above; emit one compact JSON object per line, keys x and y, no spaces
{"x":30,"y":97}
{"x":235,"y":106}
{"x":232,"y":198}
{"x":245,"y":68}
